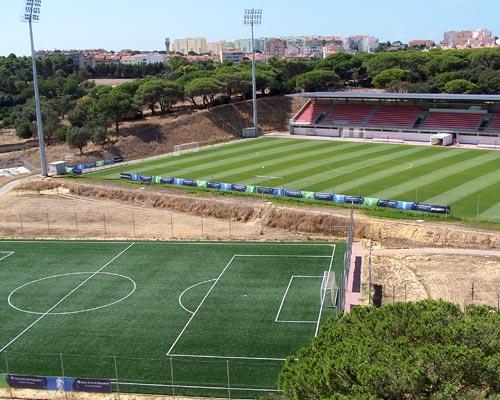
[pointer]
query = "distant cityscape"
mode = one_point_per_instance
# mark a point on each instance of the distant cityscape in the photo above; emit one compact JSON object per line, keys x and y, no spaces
{"x":290,"y":48}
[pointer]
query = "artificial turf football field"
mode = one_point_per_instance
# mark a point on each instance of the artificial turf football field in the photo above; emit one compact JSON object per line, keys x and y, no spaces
{"x":191,"y":313}
{"x":466,"y":179}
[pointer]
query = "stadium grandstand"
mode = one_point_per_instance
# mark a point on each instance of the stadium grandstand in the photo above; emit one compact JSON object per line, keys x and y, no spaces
{"x":468,"y":118}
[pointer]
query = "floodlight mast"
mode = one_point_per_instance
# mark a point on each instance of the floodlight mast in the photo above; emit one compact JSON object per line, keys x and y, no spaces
{"x":253,"y":17}
{"x":31,"y":13}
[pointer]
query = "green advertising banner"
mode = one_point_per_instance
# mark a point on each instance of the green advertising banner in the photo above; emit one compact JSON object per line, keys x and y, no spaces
{"x":3,"y":381}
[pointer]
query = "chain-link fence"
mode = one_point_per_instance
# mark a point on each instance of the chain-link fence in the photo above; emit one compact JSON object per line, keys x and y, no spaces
{"x":129,"y":222}
{"x":170,"y":375}
{"x":462,"y":292}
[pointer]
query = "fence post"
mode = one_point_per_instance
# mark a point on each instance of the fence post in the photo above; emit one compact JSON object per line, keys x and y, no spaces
{"x":7,"y":370}
{"x":21,"y":221}
{"x":228,"y":380}
{"x":76,"y":224}
{"x":133,"y":222}
{"x":116,"y":377}
{"x":172,"y":224}
{"x":370,"y":275}
{"x":172,"y":377}
{"x":48,"y":226}
{"x":104,"y":222}
{"x":63,"y":376}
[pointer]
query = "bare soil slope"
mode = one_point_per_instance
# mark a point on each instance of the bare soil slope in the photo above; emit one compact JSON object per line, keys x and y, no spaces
{"x":158,"y":134}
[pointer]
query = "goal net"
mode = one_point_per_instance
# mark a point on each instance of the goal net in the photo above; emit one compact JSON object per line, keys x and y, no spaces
{"x":190,"y":147}
{"x":329,"y":290}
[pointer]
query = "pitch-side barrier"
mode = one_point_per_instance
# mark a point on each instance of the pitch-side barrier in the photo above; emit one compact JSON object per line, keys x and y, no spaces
{"x":283,"y":192}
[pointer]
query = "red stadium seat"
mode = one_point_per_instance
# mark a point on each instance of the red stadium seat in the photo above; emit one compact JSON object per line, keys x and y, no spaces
{"x":452,"y":120}
{"x":343,"y":114}
{"x":395,"y":116}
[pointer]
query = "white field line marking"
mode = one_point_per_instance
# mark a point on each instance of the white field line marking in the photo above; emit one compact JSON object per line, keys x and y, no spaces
{"x":193,"y":387}
{"x":288,"y":321}
{"x":134,"y":287}
{"x":199,"y":305}
{"x":248,"y":243}
{"x":228,"y":357}
{"x":64,"y":298}
{"x":7,"y":254}
{"x":189,"y":288}
{"x":64,"y":241}
{"x":324,"y":295}
{"x":281,"y":255}
{"x":284,"y":297}
{"x":170,"y":243}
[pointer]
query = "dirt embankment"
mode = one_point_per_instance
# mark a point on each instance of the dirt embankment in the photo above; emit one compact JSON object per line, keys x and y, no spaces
{"x":158,"y":134}
{"x":305,"y":219}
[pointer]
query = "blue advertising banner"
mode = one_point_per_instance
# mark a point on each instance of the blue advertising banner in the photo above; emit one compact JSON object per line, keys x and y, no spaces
{"x":26,"y":381}
{"x":58,"y":383}
{"x":92,"y":385}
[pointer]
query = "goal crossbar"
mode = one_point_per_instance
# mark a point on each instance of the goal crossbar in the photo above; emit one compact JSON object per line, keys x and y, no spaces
{"x":190,"y":147}
{"x":329,"y":286}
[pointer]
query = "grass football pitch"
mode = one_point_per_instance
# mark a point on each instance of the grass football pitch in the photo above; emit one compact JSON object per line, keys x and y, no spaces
{"x":214,"y":319}
{"x":466,"y":179}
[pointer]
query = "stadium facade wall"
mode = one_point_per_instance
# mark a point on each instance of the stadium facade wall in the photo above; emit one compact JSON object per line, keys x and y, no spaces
{"x":473,"y":138}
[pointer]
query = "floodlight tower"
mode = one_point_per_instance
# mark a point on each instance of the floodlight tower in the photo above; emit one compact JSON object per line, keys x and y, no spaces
{"x":31,"y":14}
{"x":253,"y":16}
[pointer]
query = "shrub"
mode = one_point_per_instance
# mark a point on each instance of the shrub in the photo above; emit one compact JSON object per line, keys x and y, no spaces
{"x":24,"y":130}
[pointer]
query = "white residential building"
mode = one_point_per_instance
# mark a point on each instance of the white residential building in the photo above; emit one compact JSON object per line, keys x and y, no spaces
{"x":234,"y":55}
{"x":186,"y":45}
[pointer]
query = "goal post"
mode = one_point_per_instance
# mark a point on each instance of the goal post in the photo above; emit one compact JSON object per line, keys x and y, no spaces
{"x":329,"y":290}
{"x":191,"y":147}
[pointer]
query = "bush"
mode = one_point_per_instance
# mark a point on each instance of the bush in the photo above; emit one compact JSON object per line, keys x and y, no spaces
{"x":426,"y":350}
{"x":24,"y":130}
{"x":62,"y":132}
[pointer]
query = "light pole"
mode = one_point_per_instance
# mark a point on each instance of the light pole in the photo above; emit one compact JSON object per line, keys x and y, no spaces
{"x":253,"y":16}
{"x":31,"y":14}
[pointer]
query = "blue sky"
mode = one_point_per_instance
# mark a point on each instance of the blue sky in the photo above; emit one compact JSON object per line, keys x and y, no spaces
{"x":143,"y":25}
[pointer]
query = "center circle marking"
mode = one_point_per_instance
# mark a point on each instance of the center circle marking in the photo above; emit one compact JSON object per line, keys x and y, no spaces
{"x":9,"y":299}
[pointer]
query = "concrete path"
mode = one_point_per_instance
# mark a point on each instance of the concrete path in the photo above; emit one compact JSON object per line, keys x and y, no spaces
{"x":12,"y":184}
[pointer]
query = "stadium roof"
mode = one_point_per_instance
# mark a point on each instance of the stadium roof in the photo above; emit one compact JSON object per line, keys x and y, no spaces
{"x":400,"y":96}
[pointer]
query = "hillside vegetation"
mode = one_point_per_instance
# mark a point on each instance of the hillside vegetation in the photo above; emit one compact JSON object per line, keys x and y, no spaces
{"x":426,"y":350}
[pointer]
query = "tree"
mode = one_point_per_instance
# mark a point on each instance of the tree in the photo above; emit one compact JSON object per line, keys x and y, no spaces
{"x":317,"y":80}
{"x":99,"y":134}
{"x":390,"y":76}
{"x":111,"y":104}
{"x":77,"y":138}
{"x":206,"y":88}
{"x":149,"y":92}
{"x":77,"y":116}
{"x":24,"y":130}
{"x":171,"y":94}
{"x":461,"y":86}
{"x":50,"y":119}
{"x":425,"y":350}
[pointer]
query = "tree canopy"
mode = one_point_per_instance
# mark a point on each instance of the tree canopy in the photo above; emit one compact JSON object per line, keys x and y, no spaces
{"x":425,"y":350}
